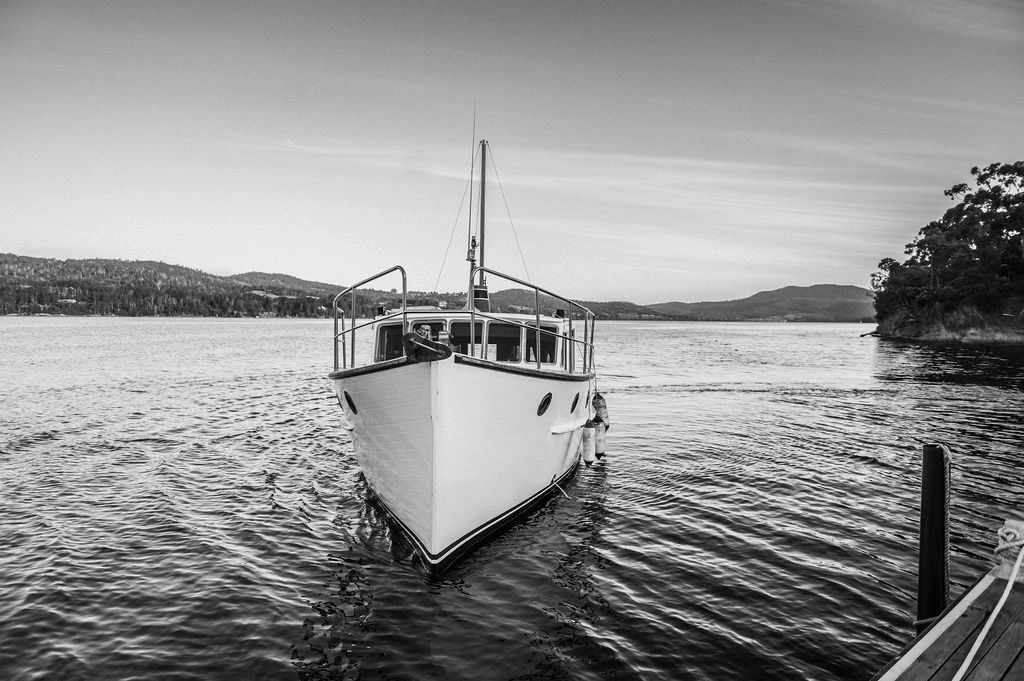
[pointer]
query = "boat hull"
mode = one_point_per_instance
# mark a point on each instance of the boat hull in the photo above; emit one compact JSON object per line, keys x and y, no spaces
{"x":455,"y":450}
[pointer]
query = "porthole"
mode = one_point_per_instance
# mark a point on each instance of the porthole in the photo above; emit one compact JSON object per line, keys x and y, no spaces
{"x":575,"y":401}
{"x":351,"y":404}
{"x":544,"y":404}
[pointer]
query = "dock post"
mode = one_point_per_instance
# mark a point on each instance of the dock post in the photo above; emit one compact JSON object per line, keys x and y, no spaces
{"x":933,"y":549}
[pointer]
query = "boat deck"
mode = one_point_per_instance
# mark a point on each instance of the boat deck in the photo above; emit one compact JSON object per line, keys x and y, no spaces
{"x":939,"y":651}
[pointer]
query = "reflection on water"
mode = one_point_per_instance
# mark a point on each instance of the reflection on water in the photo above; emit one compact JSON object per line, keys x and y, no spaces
{"x":996,"y":365}
{"x":182,"y":502}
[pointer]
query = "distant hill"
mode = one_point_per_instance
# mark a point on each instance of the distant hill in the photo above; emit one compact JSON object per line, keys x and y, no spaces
{"x":818,"y":303}
{"x":277,"y":281}
{"x":516,"y":300}
{"x":99,"y":286}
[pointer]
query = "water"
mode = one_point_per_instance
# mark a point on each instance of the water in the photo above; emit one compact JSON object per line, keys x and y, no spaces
{"x":177,"y":501}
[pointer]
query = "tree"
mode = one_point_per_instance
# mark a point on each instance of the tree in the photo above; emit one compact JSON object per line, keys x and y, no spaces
{"x":966,"y":267}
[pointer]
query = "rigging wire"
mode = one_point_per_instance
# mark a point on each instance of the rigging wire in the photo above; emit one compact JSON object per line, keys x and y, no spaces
{"x":452,"y":235}
{"x":472,"y":162}
{"x":509,"y":213}
{"x":467,"y":191}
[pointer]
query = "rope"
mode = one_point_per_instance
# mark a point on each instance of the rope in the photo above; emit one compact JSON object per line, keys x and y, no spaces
{"x":509,"y":213}
{"x":560,"y":488}
{"x":1009,"y":541}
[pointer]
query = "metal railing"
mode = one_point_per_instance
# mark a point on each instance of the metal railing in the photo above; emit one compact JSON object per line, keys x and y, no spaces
{"x":345,"y":356}
{"x":569,"y":341}
{"x":349,"y":335}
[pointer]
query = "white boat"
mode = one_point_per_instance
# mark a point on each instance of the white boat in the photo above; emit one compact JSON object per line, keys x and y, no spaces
{"x":462,"y":422}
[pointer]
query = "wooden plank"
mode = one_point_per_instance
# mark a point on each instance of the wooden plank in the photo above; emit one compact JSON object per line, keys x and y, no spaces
{"x":899,"y":665}
{"x":990,"y":597}
{"x":949,"y":644}
{"x":952,"y":664}
{"x":1016,"y":670}
{"x":998,"y":641}
{"x":1005,"y":638}
{"x":1000,"y":657}
{"x":1015,"y":603}
{"x":940,"y":653}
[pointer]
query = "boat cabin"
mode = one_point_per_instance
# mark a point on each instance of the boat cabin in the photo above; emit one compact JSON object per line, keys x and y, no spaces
{"x":563,"y":342}
{"x":510,"y":338}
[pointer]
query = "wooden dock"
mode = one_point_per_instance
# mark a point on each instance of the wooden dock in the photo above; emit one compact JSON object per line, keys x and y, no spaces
{"x":967,"y":627}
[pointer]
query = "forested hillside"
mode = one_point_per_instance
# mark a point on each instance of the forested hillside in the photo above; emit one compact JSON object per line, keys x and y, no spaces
{"x":141,"y":288}
{"x":148,"y":288}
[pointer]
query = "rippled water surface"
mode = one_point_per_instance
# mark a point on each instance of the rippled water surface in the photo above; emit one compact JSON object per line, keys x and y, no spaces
{"x":177,"y":501}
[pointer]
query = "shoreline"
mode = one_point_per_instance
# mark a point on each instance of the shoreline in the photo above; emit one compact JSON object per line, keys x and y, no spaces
{"x":970,"y":336}
{"x":600,"y":319}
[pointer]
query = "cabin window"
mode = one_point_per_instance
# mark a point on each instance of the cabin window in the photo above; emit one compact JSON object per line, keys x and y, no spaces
{"x":547,"y":344}
{"x":460,"y":337}
{"x":389,"y":337}
{"x":389,"y":342}
{"x":504,"y":342}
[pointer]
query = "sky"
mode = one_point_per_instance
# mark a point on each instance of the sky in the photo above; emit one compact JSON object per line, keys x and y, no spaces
{"x":644,"y":150}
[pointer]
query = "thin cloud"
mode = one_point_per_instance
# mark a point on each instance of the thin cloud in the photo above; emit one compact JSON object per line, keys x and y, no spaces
{"x":988,"y":20}
{"x":949,"y":110}
{"x":432,"y":161}
{"x":995,"y":20}
{"x":681,"y":181}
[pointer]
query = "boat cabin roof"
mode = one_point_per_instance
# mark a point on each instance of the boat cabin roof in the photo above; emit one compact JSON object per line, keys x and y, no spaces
{"x":423,"y":311}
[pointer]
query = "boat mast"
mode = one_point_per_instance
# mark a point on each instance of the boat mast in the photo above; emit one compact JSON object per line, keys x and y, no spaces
{"x":483,"y":187}
{"x":477,"y":298}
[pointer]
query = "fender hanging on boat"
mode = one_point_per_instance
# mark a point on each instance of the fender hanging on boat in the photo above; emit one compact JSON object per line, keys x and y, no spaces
{"x":599,"y":437}
{"x":601,"y":422}
{"x":587,"y":445}
{"x":601,"y":408}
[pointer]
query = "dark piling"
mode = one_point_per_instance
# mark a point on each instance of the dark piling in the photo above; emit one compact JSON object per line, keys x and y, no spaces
{"x":933,"y":554}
